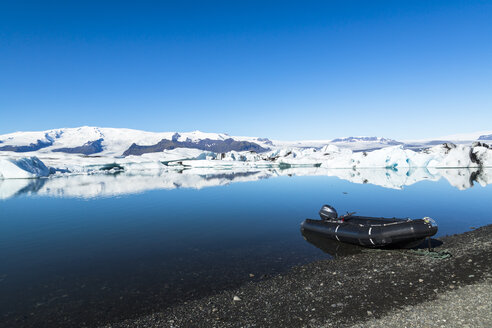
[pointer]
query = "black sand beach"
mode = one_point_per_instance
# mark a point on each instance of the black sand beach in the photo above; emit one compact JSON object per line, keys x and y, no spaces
{"x":356,"y":289}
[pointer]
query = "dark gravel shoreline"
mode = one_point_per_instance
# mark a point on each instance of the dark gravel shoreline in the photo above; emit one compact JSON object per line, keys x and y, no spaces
{"x":337,"y":293}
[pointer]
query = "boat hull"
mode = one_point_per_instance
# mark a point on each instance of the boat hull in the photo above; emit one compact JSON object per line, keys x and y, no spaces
{"x":373,"y":232}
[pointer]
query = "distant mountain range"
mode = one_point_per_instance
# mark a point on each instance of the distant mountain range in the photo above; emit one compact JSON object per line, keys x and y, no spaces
{"x":124,"y":142}
{"x":127,"y":142}
{"x":368,"y":139}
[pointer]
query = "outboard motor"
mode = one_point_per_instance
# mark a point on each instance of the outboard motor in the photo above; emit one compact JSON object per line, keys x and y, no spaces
{"x":328,"y":213}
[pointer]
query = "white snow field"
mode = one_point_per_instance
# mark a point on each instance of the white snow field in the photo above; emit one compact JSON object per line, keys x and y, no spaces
{"x":92,"y":156}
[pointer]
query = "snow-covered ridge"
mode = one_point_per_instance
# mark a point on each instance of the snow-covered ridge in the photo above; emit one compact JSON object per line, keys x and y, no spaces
{"x":115,"y":141}
{"x":105,"y":141}
{"x":368,"y":139}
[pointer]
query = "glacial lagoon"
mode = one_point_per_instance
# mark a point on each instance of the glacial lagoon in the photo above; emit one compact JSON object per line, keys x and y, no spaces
{"x":94,"y":248}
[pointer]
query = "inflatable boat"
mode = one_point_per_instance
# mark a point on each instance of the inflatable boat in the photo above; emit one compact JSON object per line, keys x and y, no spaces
{"x":370,"y":231}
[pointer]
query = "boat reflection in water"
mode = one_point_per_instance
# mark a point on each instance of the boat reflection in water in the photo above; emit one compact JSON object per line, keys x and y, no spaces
{"x":331,"y":247}
{"x":338,"y":249}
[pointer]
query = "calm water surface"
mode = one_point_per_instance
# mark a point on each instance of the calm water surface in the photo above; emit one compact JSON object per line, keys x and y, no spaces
{"x":70,"y":261}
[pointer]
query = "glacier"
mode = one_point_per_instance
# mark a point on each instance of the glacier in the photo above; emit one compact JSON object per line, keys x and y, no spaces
{"x":90,"y":161}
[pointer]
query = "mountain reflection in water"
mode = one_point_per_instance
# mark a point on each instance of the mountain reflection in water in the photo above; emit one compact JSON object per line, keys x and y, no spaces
{"x":107,"y":185}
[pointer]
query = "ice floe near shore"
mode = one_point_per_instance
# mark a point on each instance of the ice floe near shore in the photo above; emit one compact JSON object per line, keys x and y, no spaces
{"x":22,"y":168}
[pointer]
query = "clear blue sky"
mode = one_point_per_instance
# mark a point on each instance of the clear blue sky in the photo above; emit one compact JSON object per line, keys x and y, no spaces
{"x":278,"y":69}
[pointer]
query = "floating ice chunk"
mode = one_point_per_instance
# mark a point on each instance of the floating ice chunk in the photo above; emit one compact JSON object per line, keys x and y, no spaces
{"x":22,"y":168}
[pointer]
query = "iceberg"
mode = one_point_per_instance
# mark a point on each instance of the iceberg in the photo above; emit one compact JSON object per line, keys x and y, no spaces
{"x":329,"y":157}
{"x":22,"y":168}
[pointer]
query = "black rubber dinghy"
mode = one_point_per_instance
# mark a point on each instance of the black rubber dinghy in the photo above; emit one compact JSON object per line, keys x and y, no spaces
{"x":370,"y":231}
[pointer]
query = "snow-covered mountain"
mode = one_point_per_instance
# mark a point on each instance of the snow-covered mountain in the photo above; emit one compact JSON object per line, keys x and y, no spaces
{"x":124,"y":142}
{"x":116,"y":142}
{"x":92,"y":150}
